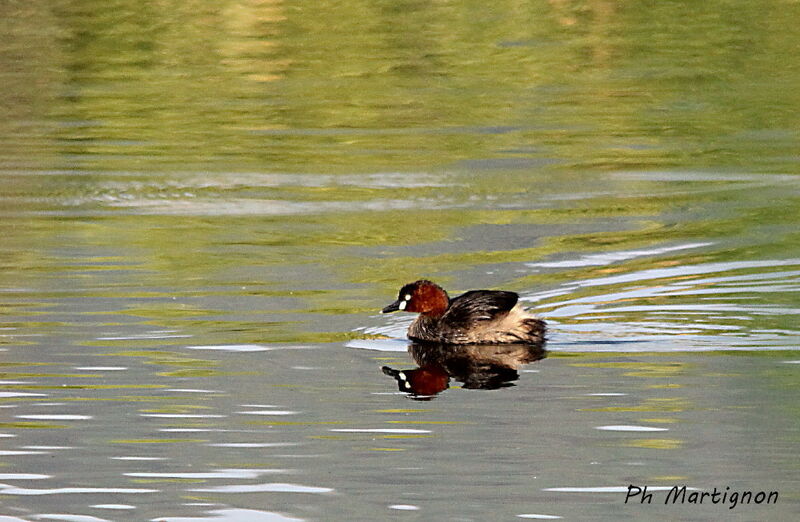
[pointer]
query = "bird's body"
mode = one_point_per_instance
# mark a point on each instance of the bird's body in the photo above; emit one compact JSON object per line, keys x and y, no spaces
{"x":477,"y":316}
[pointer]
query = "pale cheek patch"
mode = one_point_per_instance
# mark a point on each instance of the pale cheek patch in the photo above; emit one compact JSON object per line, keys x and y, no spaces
{"x":402,"y":305}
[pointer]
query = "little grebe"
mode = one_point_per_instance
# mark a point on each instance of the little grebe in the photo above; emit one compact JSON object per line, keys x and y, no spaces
{"x":478,"y":316}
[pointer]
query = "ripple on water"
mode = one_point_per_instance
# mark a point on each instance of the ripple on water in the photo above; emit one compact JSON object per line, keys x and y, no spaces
{"x":607,"y":258}
{"x":218,"y":474}
{"x":6,"y":489}
{"x":274,"y":487}
{"x":101,"y":368}
{"x":630,"y":428}
{"x":142,"y":337}
{"x":55,"y":416}
{"x":134,"y":458}
{"x":233,"y":514}
{"x":253,"y":444}
{"x":379,"y":430}
{"x":713,"y":306}
{"x":268,"y":412}
{"x":193,"y":390}
{"x":382,"y":345}
{"x":69,"y":518}
{"x":232,"y":348}
{"x":183,"y":415}
{"x":404,"y":507}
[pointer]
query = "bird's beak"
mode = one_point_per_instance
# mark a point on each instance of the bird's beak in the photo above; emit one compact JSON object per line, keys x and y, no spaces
{"x":392,"y":307}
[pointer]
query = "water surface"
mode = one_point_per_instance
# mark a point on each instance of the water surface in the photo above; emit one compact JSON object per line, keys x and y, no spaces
{"x":203,"y":207}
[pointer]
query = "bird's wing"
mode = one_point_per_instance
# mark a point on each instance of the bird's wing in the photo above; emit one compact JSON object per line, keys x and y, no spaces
{"x":479,"y":305}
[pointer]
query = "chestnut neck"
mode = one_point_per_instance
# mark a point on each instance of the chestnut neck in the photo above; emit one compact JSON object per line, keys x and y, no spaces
{"x":431,"y":300}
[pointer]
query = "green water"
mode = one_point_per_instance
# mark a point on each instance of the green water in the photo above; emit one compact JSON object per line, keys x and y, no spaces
{"x":398,"y":86}
{"x":203,"y":206}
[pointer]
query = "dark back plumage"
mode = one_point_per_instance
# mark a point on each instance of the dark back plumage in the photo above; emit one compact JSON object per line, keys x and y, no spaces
{"x":479,"y":305}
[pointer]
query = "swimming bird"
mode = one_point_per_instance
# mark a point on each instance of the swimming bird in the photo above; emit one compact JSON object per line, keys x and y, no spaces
{"x":477,"y":316}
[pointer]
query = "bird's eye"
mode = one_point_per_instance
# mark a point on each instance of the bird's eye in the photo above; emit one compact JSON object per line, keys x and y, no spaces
{"x":407,"y":297}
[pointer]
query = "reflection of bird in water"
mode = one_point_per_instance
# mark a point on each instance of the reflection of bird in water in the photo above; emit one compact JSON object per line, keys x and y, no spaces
{"x":477,"y":366}
{"x":425,"y":381}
